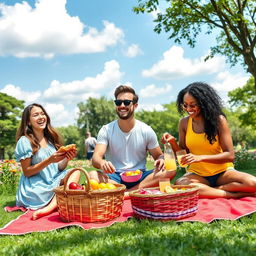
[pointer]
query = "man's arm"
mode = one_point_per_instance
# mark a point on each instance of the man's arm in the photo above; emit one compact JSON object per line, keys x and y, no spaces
{"x":98,"y":160}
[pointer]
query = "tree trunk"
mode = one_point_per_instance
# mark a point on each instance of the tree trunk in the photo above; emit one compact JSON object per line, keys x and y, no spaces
{"x":1,"y":153}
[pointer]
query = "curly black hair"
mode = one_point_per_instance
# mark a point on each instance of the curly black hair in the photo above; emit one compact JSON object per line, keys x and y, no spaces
{"x":210,"y":104}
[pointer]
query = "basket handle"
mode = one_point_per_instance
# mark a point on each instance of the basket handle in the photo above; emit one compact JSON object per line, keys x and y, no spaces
{"x":88,"y":186}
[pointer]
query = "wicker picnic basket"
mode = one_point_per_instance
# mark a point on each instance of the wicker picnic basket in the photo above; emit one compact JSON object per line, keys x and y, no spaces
{"x":167,"y":206}
{"x":88,"y":205}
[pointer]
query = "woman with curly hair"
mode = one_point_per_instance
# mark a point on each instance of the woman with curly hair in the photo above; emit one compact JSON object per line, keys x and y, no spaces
{"x":205,"y":135}
{"x":42,"y":165}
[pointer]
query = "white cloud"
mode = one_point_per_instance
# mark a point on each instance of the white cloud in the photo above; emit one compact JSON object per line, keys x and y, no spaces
{"x":133,"y":50}
{"x":227,"y":82}
{"x":153,"y":91}
{"x":59,"y":115}
{"x":48,"y":29}
{"x":80,"y":90}
{"x":60,"y":99}
{"x":175,"y":65}
{"x":16,"y":91}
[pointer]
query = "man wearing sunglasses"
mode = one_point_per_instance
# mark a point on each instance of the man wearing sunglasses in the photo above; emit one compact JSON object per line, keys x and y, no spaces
{"x":123,"y":145}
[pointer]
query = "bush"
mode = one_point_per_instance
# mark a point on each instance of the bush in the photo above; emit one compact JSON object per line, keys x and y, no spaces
{"x":245,"y":159}
{"x":10,"y":172}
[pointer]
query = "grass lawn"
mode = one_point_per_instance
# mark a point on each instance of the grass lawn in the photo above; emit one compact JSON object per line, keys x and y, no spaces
{"x":135,"y":237}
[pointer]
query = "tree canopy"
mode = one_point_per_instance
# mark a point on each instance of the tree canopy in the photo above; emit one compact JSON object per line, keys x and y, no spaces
{"x":162,"y":121}
{"x":94,"y":114}
{"x":244,"y":100}
{"x":234,"y":21}
{"x":10,"y":109}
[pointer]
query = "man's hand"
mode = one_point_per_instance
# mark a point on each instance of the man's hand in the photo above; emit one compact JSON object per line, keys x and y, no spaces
{"x":159,"y":165}
{"x":107,"y":167}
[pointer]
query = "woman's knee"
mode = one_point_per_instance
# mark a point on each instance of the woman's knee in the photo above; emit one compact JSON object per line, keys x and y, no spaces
{"x":183,"y":181}
{"x":251,"y":182}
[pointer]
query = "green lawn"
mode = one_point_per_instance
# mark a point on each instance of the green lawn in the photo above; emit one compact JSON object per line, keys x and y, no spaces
{"x":135,"y":237}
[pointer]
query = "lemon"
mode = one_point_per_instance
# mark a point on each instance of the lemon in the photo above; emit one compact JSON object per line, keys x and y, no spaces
{"x":169,"y":189}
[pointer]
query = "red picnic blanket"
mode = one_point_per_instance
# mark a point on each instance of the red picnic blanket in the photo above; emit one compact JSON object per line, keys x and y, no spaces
{"x":208,"y":210}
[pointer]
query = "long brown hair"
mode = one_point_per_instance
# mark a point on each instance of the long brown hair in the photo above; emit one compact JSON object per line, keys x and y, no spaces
{"x":25,"y":129}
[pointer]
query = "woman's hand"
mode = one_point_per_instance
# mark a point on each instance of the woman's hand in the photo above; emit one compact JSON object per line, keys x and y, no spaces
{"x":57,"y":157}
{"x":167,"y":138}
{"x":71,"y":154}
{"x":191,"y":158}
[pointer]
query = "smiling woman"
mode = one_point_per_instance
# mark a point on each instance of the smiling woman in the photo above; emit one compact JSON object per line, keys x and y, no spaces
{"x":42,"y":165}
{"x":205,"y":135}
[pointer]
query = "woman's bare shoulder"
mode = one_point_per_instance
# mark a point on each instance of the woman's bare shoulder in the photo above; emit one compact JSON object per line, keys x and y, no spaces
{"x":184,"y":120}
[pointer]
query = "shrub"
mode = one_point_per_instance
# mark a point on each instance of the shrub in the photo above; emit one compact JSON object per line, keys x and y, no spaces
{"x":10,"y":172}
{"x":245,"y":159}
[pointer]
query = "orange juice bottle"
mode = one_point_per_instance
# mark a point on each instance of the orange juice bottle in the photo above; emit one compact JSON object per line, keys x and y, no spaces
{"x":170,"y":164}
{"x":169,"y":158}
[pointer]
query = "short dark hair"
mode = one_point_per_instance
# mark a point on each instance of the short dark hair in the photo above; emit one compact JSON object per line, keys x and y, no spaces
{"x":125,"y":88}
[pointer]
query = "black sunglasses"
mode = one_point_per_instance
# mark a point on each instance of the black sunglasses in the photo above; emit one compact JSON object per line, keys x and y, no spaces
{"x":126,"y":102}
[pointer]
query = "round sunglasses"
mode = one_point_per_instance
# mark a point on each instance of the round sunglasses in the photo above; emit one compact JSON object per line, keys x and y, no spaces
{"x":186,"y":106}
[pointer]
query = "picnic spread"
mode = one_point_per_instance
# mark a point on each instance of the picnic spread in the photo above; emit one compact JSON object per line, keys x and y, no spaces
{"x":97,"y":206}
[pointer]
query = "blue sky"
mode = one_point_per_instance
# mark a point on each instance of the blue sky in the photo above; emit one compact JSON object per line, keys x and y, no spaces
{"x":60,"y":52}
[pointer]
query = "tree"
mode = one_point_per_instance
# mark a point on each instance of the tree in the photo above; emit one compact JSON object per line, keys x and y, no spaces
{"x":71,"y":135}
{"x":240,"y":133}
{"x":162,"y":121}
{"x":10,"y":109}
{"x":244,"y":99}
{"x":94,"y":114}
{"x":235,"y":21}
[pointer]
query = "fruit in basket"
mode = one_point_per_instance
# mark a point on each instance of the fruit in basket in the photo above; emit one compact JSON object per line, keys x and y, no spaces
{"x":94,"y":184}
{"x":102,"y":185}
{"x":110,"y":186}
{"x":74,"y":185}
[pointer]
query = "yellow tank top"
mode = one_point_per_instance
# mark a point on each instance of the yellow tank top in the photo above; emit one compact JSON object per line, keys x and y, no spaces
{"x":198,"y":144}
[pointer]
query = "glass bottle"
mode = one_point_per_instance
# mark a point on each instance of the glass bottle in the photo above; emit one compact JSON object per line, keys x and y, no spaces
{"x":169,"y":158}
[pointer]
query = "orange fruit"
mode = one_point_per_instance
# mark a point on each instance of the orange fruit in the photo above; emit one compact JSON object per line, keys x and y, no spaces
{"x":110,"y":186}
{"x":94,"y":184}
{"x":137,"y":172}
{"x":102,"y":186}
{"x":129,"y":173}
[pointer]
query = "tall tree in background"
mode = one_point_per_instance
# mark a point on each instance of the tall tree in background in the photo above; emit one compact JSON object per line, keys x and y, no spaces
{"x":234,"y":20}
{"x":244,"y":99}
{"x":95,"y":113}
{"x":10,"y":110}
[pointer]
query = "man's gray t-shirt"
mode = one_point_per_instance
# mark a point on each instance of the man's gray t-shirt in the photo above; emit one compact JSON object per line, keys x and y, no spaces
{"x":127,"y":151}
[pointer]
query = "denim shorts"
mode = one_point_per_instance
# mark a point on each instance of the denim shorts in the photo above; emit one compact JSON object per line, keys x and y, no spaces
{"x":117,"y":178}
{"x":213,"y":179}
